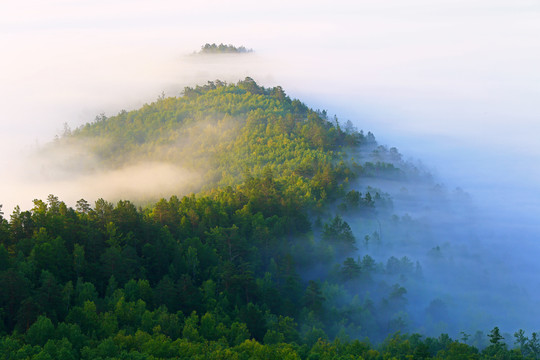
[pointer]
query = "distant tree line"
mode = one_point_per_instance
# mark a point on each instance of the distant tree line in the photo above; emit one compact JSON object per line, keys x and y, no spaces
{"x":223,"y":49}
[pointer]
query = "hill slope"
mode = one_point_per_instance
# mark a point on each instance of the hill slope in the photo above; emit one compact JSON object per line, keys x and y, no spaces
{"x":261,"y":262}
{"x":221,"y":132}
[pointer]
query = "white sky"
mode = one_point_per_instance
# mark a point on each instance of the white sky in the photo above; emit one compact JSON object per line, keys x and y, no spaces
{"x":454,"y":83}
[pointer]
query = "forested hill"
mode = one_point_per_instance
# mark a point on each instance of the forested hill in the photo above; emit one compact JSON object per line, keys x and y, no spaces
{"x":258,"y":262}
{"x":226,"y":132}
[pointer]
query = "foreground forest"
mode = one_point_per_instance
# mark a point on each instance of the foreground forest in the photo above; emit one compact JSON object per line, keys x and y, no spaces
{"x":259,"y":261}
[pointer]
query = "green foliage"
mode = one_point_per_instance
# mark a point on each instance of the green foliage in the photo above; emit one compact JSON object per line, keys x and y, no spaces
{"x":215,"y":274}
{"x":40,"y":331}
{"x":219,"y":131}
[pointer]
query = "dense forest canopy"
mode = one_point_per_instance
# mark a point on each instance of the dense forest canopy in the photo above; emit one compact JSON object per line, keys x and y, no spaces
{"x":260,"y":260}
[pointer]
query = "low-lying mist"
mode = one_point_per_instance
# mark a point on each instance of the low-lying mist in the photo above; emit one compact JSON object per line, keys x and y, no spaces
{"x":177,"y":160}
{"x":475,"y":273}
{"x":453,"y":85}
{"x":140,"y":182}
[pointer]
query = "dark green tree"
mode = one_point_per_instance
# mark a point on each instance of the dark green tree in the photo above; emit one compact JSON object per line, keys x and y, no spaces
{"x":339,"y":233}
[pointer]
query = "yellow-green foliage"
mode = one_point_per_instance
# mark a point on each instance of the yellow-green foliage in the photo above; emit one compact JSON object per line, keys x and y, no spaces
{"x":224,"y":132}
